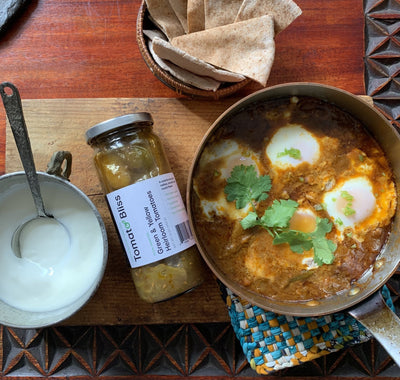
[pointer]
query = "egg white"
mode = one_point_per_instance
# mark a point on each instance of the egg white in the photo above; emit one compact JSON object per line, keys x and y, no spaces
{"x":225,"y":155}
{"x":361,"y":206}
{"x":292,"y":137}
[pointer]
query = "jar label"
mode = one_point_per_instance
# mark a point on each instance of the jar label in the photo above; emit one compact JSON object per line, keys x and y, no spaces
{"x":151,"y":219}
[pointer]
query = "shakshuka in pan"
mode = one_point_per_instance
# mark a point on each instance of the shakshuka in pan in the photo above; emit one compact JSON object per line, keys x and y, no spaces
{"x":293,"y":198}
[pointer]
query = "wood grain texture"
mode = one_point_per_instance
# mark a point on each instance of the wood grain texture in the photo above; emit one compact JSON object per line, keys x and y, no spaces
{"x":88,"y":49}
{"x":81,"y":48}
{"x":181,"y":125}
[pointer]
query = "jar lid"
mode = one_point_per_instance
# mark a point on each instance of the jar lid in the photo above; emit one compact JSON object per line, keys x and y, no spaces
{"x":117,"y":122}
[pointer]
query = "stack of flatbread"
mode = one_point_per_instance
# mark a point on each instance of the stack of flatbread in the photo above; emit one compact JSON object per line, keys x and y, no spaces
{"x":205,"y":43}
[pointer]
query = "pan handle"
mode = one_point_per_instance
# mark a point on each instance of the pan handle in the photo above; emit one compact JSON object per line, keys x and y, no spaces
{"x":381,"y":322}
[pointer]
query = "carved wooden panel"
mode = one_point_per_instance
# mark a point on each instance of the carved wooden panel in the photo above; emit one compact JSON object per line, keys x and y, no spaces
{"x":382,"y":56}
{"x":201,"y":351}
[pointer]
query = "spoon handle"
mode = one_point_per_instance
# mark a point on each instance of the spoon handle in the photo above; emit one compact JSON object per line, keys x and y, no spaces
{"x":13,"y":106}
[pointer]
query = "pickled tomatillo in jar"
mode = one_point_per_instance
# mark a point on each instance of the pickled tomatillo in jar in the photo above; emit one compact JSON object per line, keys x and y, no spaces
{"x":146,"y":206}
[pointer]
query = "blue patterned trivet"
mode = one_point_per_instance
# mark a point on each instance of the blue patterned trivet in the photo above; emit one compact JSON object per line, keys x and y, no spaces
{"x":272,"y":342}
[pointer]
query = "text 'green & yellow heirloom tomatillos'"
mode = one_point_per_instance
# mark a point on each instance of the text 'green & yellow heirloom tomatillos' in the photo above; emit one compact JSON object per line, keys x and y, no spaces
{"x":245,"y":187}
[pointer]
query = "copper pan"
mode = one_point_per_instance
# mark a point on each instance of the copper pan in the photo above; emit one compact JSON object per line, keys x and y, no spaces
{"x":364,"y":302}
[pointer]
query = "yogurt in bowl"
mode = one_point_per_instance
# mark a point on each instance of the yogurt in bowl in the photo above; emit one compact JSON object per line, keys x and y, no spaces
{"x":61,"y":265}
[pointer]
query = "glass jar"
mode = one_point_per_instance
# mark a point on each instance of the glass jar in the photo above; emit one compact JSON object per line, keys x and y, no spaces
{"x":146,"y":206}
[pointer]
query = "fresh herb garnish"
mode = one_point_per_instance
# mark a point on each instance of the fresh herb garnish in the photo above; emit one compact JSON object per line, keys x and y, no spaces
{"x":302,"y":241}
{"x":275,"y":219}
{"x":346,"y":195}
{"x":348,"y":210}
{"x":245,"y":187}
{"x":292,"y":152}
{"x":339,"y":221}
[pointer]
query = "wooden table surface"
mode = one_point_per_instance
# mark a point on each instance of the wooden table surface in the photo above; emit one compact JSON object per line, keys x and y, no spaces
{"x":86,"y":49}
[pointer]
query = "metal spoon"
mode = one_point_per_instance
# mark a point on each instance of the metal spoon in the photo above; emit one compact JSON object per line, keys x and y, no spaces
{"x":13,"y":107}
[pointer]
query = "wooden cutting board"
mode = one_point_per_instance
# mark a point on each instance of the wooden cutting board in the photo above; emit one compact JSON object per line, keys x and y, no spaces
{"x":60,"y":124}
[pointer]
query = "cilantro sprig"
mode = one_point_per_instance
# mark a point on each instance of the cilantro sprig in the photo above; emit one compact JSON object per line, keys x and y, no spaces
{"x":245,"y":187}
{"x":316,"y":240}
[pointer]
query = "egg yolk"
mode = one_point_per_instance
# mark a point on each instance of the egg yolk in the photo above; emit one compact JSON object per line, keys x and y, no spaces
{"x":351,"y":203}
{"x":303,"y":220}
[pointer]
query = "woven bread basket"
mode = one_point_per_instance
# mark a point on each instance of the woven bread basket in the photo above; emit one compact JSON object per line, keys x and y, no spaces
{"x":226,"y":89}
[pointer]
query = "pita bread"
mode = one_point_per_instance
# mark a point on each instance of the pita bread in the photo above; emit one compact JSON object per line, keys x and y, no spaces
{"x":220,"y":12}
{"x":180,"y":9}
{"x":163,"y":49}
{"x":246,"y":47}
{"x":180,"y":58}
{"x":153,"y":33}
{"x":284,"y":12}
{"x":195,"y":15}
{"x":183,"y":75}
{"x":162,"y":14}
